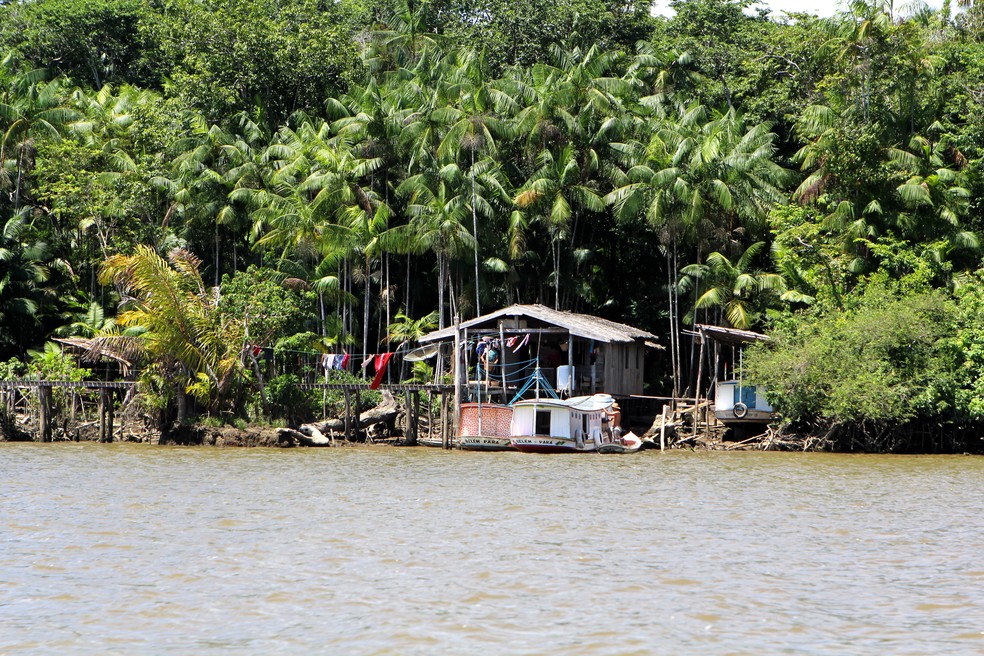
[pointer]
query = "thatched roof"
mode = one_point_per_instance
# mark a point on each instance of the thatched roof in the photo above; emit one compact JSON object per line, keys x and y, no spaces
{"x":578,"y":325}
{"x":93,"y":351}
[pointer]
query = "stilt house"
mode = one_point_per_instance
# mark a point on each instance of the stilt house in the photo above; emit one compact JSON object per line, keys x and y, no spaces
{"x":575,"y":353}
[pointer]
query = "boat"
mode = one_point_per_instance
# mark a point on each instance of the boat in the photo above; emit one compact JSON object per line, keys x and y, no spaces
{"x":485,"y":427}
{"x":738,"y":403}
{"x":559,"y":425}
{"x":627,"y":443}
{"x":434,"y":441}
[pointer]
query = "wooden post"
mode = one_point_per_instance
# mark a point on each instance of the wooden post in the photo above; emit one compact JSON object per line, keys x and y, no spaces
{"x":700,"y":372}
{"x":430,"y":413}
{"x":44,"y":424}
{"x":411,"y":435}
{"x":348,"y":414}
{"x":570,"y":365}
{"x":415,"y":395}
{"x":662,"y":431}
{"x":110,"y":400}
{"x":356,"y":415}
{"x":502,"y":361}
{"x":102,"y":415}
{"x":456,"y":417}
{"x":445,"y":423}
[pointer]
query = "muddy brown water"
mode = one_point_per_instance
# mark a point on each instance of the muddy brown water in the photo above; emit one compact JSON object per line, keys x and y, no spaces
{"x":135,"y":549}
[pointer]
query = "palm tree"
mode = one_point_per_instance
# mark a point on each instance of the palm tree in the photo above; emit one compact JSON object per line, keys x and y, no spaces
{"x":88,"y":321}
{"x":409,"y":37}
{"x":179,"y":329}
{"x":559,"y":189}
{"x":211,"y":162}
{"x":934,"y":196}
{"x":24,"y":267}
{"x":30,"y":108}
{"x":732,"y":286}
{"x":437,"y":212}
{"x":473,"y":130}
{"x":700,"y":176}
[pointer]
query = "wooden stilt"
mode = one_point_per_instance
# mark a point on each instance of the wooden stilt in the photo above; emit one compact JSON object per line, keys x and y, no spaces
{"x":357,"y":414}
{"x":430,"y":414}
{"x":411,"y":434}
{"x":110,"y":411}
{"x":102,"y":415}
{"x":416,"y":415}
{"x":700,"y":373}
{"x":445,"y":423}
{"x":348,"y":415}
{"x":44,"y":423}
{"x":662,"y":430}
{"x":456,"y":416}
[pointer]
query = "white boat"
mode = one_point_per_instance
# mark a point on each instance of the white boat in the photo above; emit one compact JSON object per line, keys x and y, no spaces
{"x":485,"y":427}
{"x":627,"y":443}
{"x":738,"y":403}
{"x":559,"y":425}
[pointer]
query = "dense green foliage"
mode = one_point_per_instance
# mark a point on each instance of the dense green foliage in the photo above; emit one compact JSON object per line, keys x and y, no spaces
{"x":339,"y":169}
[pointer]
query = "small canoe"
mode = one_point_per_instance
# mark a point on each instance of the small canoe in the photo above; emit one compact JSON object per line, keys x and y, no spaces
{"x":628,"y":443}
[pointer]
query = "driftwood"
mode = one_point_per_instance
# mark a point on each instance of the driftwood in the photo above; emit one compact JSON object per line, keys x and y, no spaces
{"x":386,"y":412}
{"x":290,"y":437}
{"x":317,"y":437}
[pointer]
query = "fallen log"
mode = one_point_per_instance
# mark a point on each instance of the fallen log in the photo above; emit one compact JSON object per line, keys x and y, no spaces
{"x":287,"y":435}
{"x":316,"y":436}
{"x":385,"y":412}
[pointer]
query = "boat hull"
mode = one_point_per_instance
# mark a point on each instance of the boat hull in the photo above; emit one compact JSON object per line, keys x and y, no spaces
{"x":537,"y":444}
{"x":435,"y":442}
{"x":484,"y":443}
{"x":628,"y":443}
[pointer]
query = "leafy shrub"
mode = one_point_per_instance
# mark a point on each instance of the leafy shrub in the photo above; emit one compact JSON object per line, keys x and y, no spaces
{"x":288,"y":400}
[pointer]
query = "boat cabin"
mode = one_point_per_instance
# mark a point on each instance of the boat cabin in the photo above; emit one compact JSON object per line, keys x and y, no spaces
{"x":572,"y":424}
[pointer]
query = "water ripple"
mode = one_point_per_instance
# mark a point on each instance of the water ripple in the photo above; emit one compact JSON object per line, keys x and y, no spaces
{"x":129,"y":549}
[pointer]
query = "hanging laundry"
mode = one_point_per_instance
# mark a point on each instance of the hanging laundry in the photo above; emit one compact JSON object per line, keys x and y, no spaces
{"x":337,"y":364}
{"x":482,"y":345}
{"x":368,"y":361}
{"x":256,"y":350}
{"x":511,"y":341}
{"x":526,"y":339}
{"x":344,"y":361}
{"x":380,"y":360}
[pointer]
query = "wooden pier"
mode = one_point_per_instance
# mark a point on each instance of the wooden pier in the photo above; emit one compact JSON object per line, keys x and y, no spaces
{"x":10,"y":390}
{"x":14,"y":394}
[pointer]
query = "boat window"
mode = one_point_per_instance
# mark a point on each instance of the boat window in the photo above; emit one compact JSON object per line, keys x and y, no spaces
{"x":584,"y":423}
{"x":542,"y":426}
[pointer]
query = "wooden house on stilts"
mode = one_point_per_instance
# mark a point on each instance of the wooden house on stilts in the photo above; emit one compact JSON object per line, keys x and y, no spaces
{"x":528,"y":346}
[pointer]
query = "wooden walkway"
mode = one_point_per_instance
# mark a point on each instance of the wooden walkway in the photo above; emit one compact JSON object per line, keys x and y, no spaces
{"x":107,"y":389}
{"x":44,"y":387}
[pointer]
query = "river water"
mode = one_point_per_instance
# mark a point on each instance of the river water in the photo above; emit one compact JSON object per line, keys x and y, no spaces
{"x":136,"y":549}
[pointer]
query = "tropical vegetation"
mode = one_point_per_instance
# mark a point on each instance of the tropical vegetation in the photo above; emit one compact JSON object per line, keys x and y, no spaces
{"x":192,"y":179}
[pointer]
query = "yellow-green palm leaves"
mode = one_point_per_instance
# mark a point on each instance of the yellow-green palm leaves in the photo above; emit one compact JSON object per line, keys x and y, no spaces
{"x":175,"y":323}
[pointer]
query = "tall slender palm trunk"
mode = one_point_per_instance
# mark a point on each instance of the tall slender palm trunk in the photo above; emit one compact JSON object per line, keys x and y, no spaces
{"x":478,"y":298}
